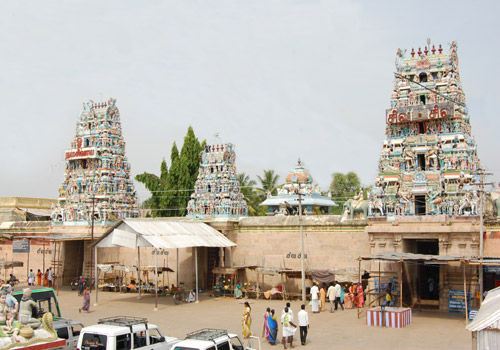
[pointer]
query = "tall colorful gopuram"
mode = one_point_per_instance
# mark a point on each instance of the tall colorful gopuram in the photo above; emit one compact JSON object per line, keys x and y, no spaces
{"x":97,"y":175}
{"x":217,"y":190}
{"x":429,"y":160}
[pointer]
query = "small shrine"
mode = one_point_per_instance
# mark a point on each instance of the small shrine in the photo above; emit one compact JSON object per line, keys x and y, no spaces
{"x":97,"y":177}
{"x":286,"y":202}
{"x":217,"y":189}
{"x":428,"y":162}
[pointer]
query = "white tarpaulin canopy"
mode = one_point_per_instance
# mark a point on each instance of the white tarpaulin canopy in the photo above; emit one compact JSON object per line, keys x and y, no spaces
{"x":163,"y":234}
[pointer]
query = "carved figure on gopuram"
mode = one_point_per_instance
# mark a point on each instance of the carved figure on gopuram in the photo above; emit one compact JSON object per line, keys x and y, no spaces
{"x":286,"y":201}
{"x":217,"y":190}
{"x":97,"y":174}
{"x":428,"y":163}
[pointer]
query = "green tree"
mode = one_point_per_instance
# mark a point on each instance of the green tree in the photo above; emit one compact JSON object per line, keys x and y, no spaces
{"x":251,"y":197}
{"x":343,"y":187}
{"x":156,"y":185}
{"x":170,"y":192}
{"x":268,"y":182}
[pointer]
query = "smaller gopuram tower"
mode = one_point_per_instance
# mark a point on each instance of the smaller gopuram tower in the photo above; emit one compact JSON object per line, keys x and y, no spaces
{"x":286,"y":202}
{"x":429,"y":162}
{"x":217,"y":190}
{"x":97,"y":175}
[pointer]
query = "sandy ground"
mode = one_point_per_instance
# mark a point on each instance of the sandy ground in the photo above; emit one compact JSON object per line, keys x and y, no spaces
{"x":342,"y":329}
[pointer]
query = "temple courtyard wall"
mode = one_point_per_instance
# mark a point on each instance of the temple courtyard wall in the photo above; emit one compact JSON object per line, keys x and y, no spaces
{"x":273,"y":243}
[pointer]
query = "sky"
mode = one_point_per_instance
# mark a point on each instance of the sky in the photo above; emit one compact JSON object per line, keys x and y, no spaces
{"x":281,"y":80}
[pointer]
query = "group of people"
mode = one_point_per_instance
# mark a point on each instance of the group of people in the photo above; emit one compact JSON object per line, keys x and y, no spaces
{"x":42,"y":279}
{"x":347,"y":296}
{"x":271,"y":328}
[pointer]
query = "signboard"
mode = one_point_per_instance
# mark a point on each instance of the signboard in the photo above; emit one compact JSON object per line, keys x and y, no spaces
{"x":384,"y":282}
{"x":492,"y":269}
{"x":81,"y":153}
{"x":20,"y":246}
{"x":124,"y":238}
{"x":456,"y":302}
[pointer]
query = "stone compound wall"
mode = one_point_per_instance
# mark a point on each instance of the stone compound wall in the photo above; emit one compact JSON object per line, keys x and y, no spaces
{"x":274,"y":242}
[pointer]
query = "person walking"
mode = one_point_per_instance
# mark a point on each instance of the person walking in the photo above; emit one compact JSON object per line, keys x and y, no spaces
{"x":265,"y":329}
{"x":314,"y":298}
{"x":322,"y":297}
{"x":272,"y":323}
{"x":247,"y":321}
{"x":46,"y":278}
{"x":86,"y":300}
{"x":50,"y":276}
{"x":303,"y":318}
{"x":338,"y":293}
{"x":288,"y":329}
{"x":290,"y":311}
{"x":31,"y":278}
{"x":39,"y":275}
{"x":331,"y":296}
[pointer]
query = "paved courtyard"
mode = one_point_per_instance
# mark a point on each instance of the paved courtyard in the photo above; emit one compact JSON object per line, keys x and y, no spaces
{"x":430,"y":330}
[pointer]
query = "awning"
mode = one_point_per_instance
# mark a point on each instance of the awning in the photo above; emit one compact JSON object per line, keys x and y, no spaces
{"x":163,"y":234}
{"x":396,"y":256}
{"x":488,"y":315}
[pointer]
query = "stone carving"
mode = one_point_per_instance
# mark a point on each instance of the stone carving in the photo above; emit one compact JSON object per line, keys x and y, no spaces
{"x":428,"y":162}
{"x":217,"y":190}
{"x":97,"y":170}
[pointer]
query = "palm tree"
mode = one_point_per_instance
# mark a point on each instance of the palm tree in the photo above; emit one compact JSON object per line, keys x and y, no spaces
{"x":247,"y":189}
{"x":269,"y":182}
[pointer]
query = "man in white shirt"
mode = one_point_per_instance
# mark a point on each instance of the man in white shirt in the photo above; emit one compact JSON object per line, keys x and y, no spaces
{"x":314,"y":298}
{"x":330,"y":294}
{"x":288,"y":329}
{"x":290,"y":312}
{"x":49,"y":276}
{"x":303,"y":323}
{"x":338,"y":293}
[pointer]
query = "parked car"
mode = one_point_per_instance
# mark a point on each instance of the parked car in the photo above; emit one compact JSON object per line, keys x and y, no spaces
{"x":124,"y":332}
{"x":215,"y":339}
{"x":68,"y":330}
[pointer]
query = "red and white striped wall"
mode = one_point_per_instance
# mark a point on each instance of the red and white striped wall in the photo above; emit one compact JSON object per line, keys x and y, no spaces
{"x":395,"y":317}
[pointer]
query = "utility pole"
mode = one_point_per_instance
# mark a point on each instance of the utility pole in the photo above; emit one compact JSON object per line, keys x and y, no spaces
{"x":303,"y":271}
{"x":481,"y":230}
{"x":92,"y":240}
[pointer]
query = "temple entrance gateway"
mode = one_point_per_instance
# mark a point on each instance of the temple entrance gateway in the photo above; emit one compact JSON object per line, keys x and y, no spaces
{"x":425,"y":275}
{"x":73,"y":267}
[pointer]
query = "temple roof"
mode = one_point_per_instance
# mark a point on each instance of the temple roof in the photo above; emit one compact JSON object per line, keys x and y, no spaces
{"x":293,"y":200}
{"x":299,"y":174}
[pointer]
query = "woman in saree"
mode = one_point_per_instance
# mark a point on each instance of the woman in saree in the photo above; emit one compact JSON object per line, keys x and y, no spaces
{"x":247,"y":321}
{"x":322,"y":297}
{"x":272,"y":324}
{"x":265,"y":330}
{"x":86,"y":300}
{"x":39,"y":275}
{"x":347,"y":298}
{"x":238,"y":293}
{"x":361,"y":297}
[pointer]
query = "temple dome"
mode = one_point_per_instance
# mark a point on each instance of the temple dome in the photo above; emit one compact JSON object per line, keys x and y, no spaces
{"x":299,"y":174}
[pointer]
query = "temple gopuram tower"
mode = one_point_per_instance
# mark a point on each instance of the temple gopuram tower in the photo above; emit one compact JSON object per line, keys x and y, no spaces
{"x":97,"y":174}
{"x":429,"y":159}
{"x":217,"y":190}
